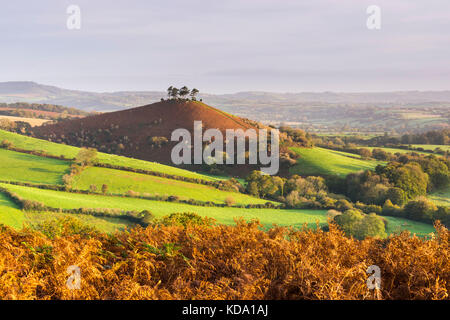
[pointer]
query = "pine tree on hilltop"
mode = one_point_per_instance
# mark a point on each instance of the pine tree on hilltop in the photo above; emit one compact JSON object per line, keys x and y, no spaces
{"x":173,"y":92}
{"x":184,"y":91}
{"x":194,"y":92}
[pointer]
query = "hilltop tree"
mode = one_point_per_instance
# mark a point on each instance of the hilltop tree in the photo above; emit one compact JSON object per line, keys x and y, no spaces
{"x":173,"y":92}
{"x":169,"y":91}
{"x":184,"y":91}
{"x":194,"y":92}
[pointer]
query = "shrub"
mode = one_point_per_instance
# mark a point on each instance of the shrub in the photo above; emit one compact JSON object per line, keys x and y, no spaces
{"x":229,"y":201}
{"x":186,"y":218}
{"x":6,"y":144}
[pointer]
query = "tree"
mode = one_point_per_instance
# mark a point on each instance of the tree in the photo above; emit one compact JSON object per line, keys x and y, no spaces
{"x":397,"y":196}
{"x":184,"y":91}
{"x":420,"y":209}
{"x":173,"y":92}
{"x":194,"y":92}
{"x":86,"y":156}
{"x":229,"y":201}
{"x":169,"y":91}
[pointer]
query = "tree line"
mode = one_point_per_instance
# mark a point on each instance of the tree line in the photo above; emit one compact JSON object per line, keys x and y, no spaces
{"x":175,"y":93}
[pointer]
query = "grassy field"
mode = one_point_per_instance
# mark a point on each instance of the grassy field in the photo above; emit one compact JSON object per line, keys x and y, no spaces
{"x":320,"y":161}
{"x":431,"y":146}
{"x":120,"y":182}
{"x":23,"y":167}
{"x":10,"y":214}
{"x":395,"y":150}
{"x":32,"y":121}
{"x":65,"y":200}
{"x":441,"y":197}
{"x":295,"y":217}
{"x":396,"y":225}
{"x":108,"y":225}
{"x":28,"y":143}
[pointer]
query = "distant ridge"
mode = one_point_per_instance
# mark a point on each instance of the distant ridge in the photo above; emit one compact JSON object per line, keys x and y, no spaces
{"x":27,"y":91}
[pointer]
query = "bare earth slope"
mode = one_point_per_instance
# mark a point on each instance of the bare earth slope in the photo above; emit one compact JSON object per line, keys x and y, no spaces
{"x":129,"y":132}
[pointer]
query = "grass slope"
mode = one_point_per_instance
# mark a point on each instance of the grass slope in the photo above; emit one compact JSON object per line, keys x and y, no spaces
{"x":64,"y":200}
{"x":295,"y":218}
{"x":120,"y":182}
{"x":441,"y":197}
{"x":320,"y":161}
{"x":28,"y":143}
{"x":23,"y":167}
{"x":10,"y":214}
{"x":396,"y":150}
{"x":108,"y":225}
{"x":396,"y":225}
{"x":431,"y":146}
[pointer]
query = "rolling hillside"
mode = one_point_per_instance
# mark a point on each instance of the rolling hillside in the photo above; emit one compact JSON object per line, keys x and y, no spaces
{"x":320,"y":161}
{"x":55,"y":149}
{"x":37,"y":179}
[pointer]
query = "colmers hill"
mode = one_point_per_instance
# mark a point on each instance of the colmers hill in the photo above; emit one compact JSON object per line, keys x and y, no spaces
{"x":143,"y":132}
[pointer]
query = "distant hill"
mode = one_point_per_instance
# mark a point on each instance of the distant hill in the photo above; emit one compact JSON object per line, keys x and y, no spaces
{"x":377,"y":112}
{"x":142,"y":132}
{"x":27,"y":91}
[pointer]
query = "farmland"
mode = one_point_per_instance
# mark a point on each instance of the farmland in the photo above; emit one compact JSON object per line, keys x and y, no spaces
{"x":267,"y":217}
{"x":120,"y":182}
{"x":55,"y":149}
{"x":320,"y":161}
{"x":441,"y":197}
{"x":23,"y":167}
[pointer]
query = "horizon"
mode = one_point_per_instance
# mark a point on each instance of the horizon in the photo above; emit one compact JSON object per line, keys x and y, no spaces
{"x":237,"y":46}
{"x":228,"y":93}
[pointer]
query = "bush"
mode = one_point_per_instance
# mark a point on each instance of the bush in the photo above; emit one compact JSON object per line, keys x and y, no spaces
{"x":6,"y":144}
{"x":229,"y":201}
{"x":420,"y":209}
{"x":359,"y":225}
{"x":186,"y":218}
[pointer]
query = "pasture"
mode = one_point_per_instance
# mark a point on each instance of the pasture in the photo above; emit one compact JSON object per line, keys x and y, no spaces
{"x":16,"y":166}
{"x":320,"y":161}
{"x":55,"y":149}
{"x":120,"y":182}
{"x":66,"y":200}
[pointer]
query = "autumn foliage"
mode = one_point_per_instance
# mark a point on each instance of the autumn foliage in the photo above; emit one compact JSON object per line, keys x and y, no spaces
{"x":219,"y":262}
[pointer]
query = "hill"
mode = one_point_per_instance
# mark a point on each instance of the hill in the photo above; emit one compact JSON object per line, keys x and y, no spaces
{"x":370,"y":112}
{"x":142,"y":132}
{"x":29,"y":91}
{"x":38,"y":179}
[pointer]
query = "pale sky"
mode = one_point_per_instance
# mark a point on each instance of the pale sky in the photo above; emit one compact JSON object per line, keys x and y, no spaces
{"x":228,"y":46}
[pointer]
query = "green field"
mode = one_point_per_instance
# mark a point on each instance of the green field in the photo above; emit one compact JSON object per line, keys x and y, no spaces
{"x":120,"y":182}
{"x":65,"y":200}
{"x":10,"y":214}
{"x":441,"y":197}
{"x":23,"y":167}
{"x":396,"y":225}
{"x":431,"y":146}
{"x":268,"y":217}
{"x":320,"y":161}
{"x":396,"y":150}
{"x":28,"y":143}
{"x":104,"y":224}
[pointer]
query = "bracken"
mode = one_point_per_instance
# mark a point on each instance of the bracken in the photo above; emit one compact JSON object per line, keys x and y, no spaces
{"x":220,"y":262}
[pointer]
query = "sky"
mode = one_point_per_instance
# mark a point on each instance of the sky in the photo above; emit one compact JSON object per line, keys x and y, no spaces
{"x":228,"y":46}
